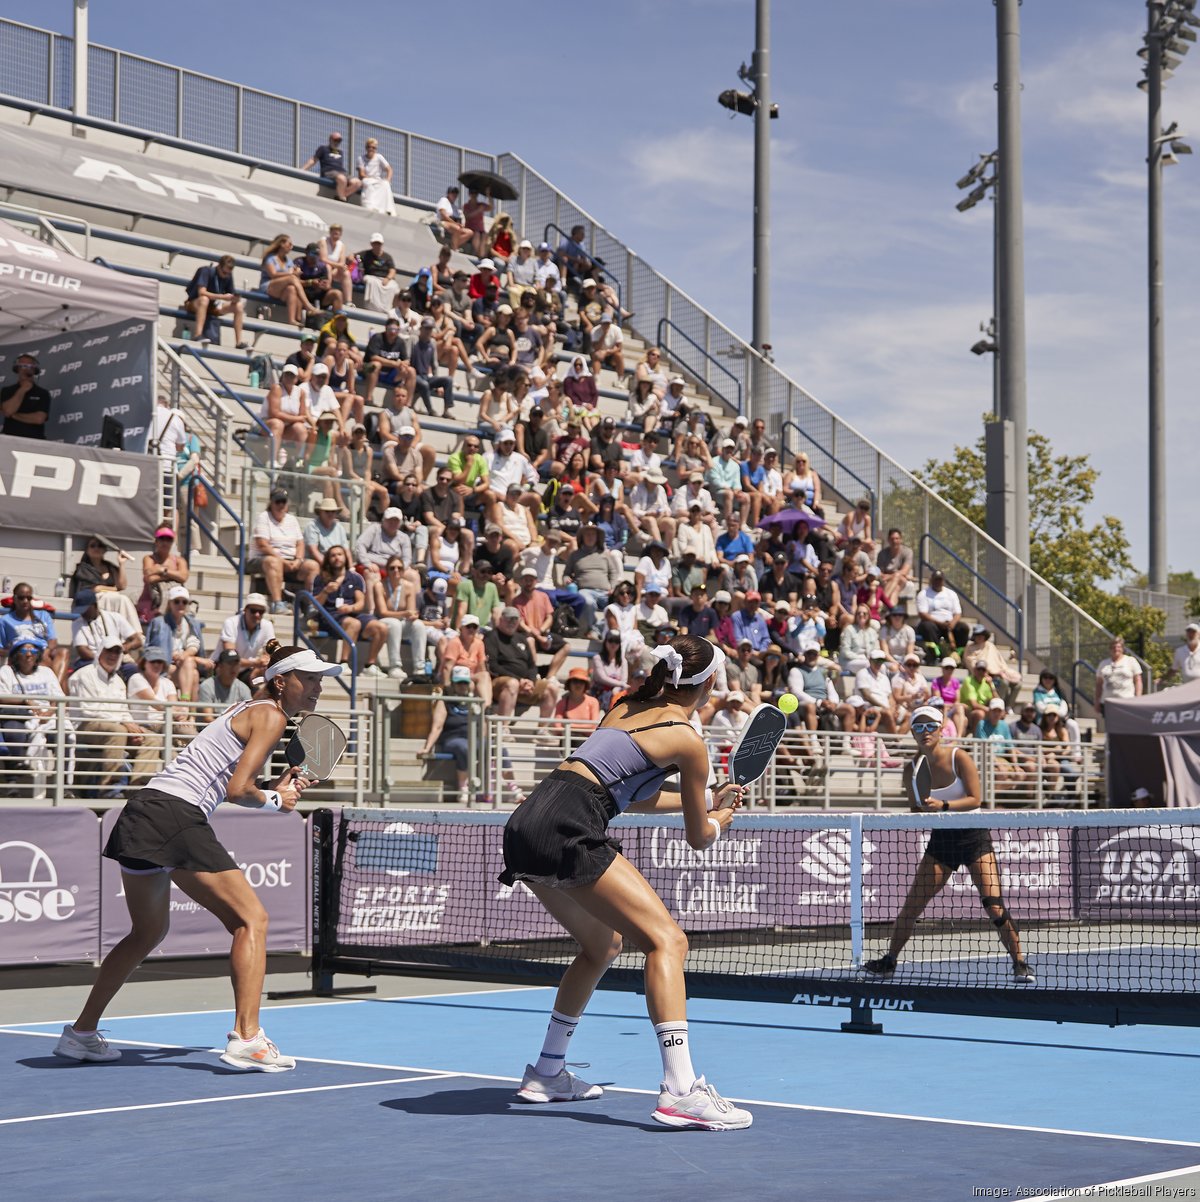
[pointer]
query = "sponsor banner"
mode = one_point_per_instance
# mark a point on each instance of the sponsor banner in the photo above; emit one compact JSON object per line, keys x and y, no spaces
{"x":49,"y":885}
{"x":64,"y":489}
{"x":272,"y":851}
{"x":1139,"y":872}
{"x":91,"y":374}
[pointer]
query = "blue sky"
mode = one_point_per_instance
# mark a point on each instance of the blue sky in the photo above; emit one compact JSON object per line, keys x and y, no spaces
{"x":878,"y":285}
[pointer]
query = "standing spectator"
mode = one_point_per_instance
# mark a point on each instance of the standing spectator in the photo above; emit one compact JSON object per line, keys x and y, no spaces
{"x":375,"y":180}
{"x":224,"y":688}
{"x":1186,"y":664}
{"x":281,"y":281}
{"x":212,"y":293}
{"x":514,"y":670}
{"x":177,"y":635}
{"x":1119,"y":676}
{"x":107,"y":734}
{"x":940,"y":618}
{"x":474,"y":218}
{"x":25,"y":405}
{"x":455,"y":232}
{"x":278,"y":554}
{"x":247,"y":633}
{"x":448,"y":728}
{"x":895,"y":564}
{"x":330,"y":162}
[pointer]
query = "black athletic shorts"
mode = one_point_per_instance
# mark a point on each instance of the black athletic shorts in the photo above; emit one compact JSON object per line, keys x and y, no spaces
{"x":156,"y":830}
{"x":558,"y":835}
{"x":953,"y":849}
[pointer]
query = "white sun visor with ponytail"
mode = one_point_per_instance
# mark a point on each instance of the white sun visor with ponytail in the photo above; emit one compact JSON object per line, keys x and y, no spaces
{"x":674,"y":662}
{"x":303,"y":661}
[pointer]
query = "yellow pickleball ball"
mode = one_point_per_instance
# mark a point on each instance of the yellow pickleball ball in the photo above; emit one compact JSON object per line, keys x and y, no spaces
{"x":788,"y":703}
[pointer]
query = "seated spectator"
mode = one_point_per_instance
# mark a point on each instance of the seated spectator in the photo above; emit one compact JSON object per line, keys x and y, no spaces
{"x":522,"y":273}
{"x":450,"y":552}
{"x":475,"y":210}
{"x":29,"y":727}
{"x":649,"y":615}
{"x":910,"y":689}
{"x":506,"y":466}
{"x":946,"y":689}
{"x":433,"y":609}
{"x":466,"y":649}
{"x":572,"y":257}
{"x":615,"y":528}
{"x":278,"y":553}
{"x":871,"y":594}
{"x":729,"y":717}
{"x":858,"y":643}
{"x":895,"y":564}
{"x":313,"y":274}
{"x":609,"y":670}
{"x":281,"y":281}
{"x":430,"y":376}
{"x":439,"y":503}
{"x":161,"y":568}
{"x":976,"y":694}
{"x":940,"y":619}
{"x":224,"y":688}
{"x":533,"y":441}
{"x":304,"y":358}
{"x":451,"y":352}
{"x":177,"y":635}
{"x":1047,"y":695}
{"x":247,"y":633}
{"x":451,"y":226}
{"x":511,"y":662}
{"x":498,"y":408}
{"x":342,"y":593}
{"x":358,"y":470}
{"x":1008,"y":771}
{"x":654,"y":568}
{"x":1118,"y":676}
{"x":649,"y":509}
{"x":25,"y":405}
{"x":500,"y":241}
{"x":803,"y":482}
{"x":811,"y":684}
{"x":856,"y":523}
{"x":1006,"y":678}
{"x":24,"y":622}
{"x":330,"y":161}
{"x":874,"y":686}
{"x":95,"y":627}
{"x":151,"y":691}
{"x":694,"y":537}
{"x":515,"y":519}
{"x":1059,"y":748}
{"x":324,"y":531}
{"x":1185,"y":664}
{"x":109,"y":741}
{"x":105,"y":578}
{"x":1027,"y":752}
{"x":396,"y":605}
{"x":725,"y":482}
{"x":608,"y":346}
{"x":643,"y":407}
{"x":211,"y":294}
{"x":375,"y":177}
{"x":385,"y":362}
{"x":407,"y":459}
{"x":686,"y":573}
{"x":285,"y":415}
{"x":579,"y":386}
{"x":381,"y":541}
{"x":537,"y":619}
{"x":897,"y":638}
{"x":448,"y":725}
{"x":477,"y":595}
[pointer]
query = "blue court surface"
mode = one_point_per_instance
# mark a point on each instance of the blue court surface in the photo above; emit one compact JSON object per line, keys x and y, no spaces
{"x":413,"y":1098}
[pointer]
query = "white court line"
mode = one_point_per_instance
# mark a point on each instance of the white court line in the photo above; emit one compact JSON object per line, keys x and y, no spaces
{"x":236,"y":1097}
{"x":337,"y":1001}
{"x":1112,"y":1185}
{"x":874,"y":1114}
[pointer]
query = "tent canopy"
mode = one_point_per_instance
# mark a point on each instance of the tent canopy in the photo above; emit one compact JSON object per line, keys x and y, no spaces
{"x":1172,"y":712}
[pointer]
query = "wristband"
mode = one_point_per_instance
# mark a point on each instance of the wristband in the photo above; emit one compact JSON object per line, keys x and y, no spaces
{"x":716,"y":830}
{"x":272,"y":800}
{"x":709,"y":800}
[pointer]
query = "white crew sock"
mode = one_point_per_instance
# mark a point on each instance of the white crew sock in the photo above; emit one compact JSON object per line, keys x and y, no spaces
{"x":554,"y":1051}
{"x":678,"y":1074}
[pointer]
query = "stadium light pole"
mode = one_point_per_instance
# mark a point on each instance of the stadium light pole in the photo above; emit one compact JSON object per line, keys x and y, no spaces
{"x":1169,"y":36}
{"x":79,"y":97}
{"x":758,"y":105}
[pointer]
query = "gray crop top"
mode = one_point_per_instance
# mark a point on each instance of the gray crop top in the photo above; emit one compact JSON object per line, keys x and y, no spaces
{"x":618,"y":763}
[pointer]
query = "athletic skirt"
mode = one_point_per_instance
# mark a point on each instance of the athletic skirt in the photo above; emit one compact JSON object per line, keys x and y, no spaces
{"x":158,"y":832}
{"x":953,"y":849}
{"x":558,"y":836}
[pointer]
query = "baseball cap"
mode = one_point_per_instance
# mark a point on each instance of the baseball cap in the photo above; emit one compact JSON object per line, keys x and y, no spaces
{"x":511,"y":613}
{"x":877,"y":654}
{"x":696,"y":478}
{"x":392,"y":512}
{"x":258,"y":600}
{"x":651,"y":587}
{"x":754,"y":595}
{"x":460,"y":674}
{"x":278,"y":494}
{"x":486,"y":265}
{"x":483,"y":564}
{"x":308,"y":336}
{"x":469,"y":620}
{"x":588,"y":283}
{"x":568,"y":487}
{"x":722,"y":595}
{"x":327,"y":505}
{"x":740,"y":420}
{"x":439,"y":585}
{"x":376,"y":237}
{"x":727,"y":442}
{"x":289,"y":369}
{"x":605,"y":317}
{"x":155,"y":653}
{"x":978,"y":628}
{"x":787,"y":609}
{"x":743,"y":558}
{"x":506,"y":435}
{"x":164,"y":532}
{"x":492,"y":528}
{"x":527,"y":572}
{"x":327,"y":416}
{"x":406,"y":432}
{"x":996,"y":703}
{"x":1191,"y":626}
{"x":948,"y":662}
{"x":609,"y":421}
{"x":779,"y":557}
{"x":912,"y":658}
{"x":320,"y":369}
{"x":735,"y":695}
{"x":178,"y":593}
{"x":111,"y":642}
{"x":229,"y":656}
{"x":678,"y":380}
{"x":1141,"y":793}
{"x":745,"y":643}
{"x":811,"y":649}
{"x":524,"y":243}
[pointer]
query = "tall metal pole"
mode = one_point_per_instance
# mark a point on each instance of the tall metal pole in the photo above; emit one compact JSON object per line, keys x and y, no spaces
{"x":79,"y":105}
{"x":1157,"y":397}
{"x":761,"y":320}
{"x":1011,"y":254}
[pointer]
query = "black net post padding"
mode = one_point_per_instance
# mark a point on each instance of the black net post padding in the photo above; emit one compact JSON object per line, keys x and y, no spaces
{"x":324,"y":902}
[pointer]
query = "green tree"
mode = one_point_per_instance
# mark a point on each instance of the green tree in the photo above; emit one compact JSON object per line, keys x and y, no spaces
{"x":1077,"y":558}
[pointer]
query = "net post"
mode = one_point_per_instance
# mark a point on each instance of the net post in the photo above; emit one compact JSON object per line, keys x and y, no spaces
{"x":861,"y":1019}
{"x":856,"y":893}
{"x":322,"y":884}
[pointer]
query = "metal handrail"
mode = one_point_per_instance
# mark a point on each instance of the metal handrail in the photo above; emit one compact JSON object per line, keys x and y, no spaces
{"x":812,"y":442}
{"x":205,"y":399}
{"x":663,"y":345}
{"x":597,"y":265}
{"x":193,"y":516}
{"x":227,"y":391}
{"x":300,"y":635}
{"x":1076,"y":691}
{"x":923,"y":563}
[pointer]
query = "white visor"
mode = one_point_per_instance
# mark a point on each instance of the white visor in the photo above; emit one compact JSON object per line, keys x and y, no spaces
{"x":303,"y":661}
{"x":928,"y":712}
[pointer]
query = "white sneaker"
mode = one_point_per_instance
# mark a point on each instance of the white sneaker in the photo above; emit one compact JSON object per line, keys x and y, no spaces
{"x":398,"y":674}
{"x":563,"y":1087}
{"x":281,"y":458}
{"x":257,"y":1055}
{"x":371,"y":670}
{"x":464,"y":797}
{"x":74,"y":1046}
{"x":703,"y":1107}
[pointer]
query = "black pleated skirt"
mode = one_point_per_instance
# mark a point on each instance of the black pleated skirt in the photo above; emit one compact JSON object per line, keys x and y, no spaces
{"x":558,"y":836}
{"x":954,"y":848}
{"x":158,"y":830}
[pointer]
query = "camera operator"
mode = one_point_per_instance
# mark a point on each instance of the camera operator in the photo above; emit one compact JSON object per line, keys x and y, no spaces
{"x":25,"y":404}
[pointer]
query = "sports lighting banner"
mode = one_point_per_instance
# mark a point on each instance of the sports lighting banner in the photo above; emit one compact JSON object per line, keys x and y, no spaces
{"x":49,"y":885}
{"x":272,"y":851}
{"x":64,"y":489}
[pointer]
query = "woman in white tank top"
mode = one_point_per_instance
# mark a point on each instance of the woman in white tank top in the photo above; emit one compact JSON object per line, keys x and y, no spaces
{"x":163,"y":836}
{"x":950,"y":848}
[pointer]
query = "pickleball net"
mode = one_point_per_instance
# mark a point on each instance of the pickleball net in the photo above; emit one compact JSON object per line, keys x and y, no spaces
{"x":791,"y":908}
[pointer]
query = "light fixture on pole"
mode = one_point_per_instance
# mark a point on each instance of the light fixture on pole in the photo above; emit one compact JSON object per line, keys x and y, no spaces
{"x":981,"y":183}
{"x":757,"y":104}
{"x":1169,"y":36}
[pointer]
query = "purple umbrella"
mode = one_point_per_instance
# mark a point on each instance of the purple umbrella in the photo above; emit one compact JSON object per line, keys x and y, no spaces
{"x":788,"y":518}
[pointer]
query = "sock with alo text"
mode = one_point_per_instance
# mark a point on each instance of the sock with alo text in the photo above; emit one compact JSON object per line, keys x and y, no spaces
{"x":678,"y":1074}
{"x":554,"y":1051}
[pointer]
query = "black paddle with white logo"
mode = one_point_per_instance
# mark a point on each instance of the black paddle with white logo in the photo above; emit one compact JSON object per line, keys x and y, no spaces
{"x":756,"y":744}
{"x":921,"y":783}
{"x":316,"y":747}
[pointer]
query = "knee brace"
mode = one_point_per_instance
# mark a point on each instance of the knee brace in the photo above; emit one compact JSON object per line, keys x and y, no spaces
{"x":1004,"y":915}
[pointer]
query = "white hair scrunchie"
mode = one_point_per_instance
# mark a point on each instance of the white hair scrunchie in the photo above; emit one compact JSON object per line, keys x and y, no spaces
{"x":674,"y":662}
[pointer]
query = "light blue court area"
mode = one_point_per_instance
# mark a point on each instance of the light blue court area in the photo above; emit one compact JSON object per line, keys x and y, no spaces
{"x":394,"y":1097}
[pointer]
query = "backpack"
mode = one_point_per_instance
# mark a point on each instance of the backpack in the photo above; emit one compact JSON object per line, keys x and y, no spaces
{"x":565,"y":623}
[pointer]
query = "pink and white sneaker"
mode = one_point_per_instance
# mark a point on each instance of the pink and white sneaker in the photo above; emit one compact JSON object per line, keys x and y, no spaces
{"x":702,"y":1107}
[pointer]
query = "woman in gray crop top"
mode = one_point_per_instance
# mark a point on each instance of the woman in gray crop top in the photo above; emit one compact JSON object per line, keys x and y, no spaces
{"x":557,"y":844}
{"x":163,"y":837}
